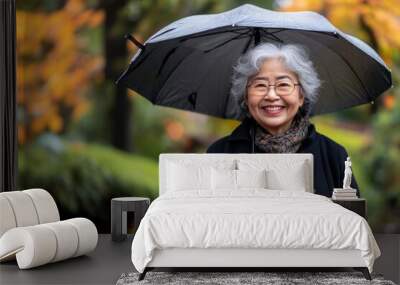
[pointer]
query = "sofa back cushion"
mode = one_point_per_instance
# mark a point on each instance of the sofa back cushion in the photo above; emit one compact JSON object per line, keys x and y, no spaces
{"x":26,"y":208}
{"x":251,"y":178}
{"x":225,"y":179}
{"x":183,"y":177}
{"x":181,"y":171}
{"x":292,"y":172}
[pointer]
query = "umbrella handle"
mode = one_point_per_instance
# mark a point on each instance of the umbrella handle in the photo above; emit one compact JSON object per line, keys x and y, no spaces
{"x":133,"y":40}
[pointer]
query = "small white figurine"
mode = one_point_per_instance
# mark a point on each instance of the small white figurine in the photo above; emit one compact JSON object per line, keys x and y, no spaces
{"x":347,"y":174}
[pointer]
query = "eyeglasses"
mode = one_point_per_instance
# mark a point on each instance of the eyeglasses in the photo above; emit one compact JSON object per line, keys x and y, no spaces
{"x":283,"y":87}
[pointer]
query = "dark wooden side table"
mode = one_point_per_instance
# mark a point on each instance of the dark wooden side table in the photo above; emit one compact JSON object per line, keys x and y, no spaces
{"x":119,"y":208}
{"x":358,"y":205}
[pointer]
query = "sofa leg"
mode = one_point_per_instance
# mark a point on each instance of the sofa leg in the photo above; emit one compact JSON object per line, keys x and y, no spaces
{"x":364,"y":271}
{"x":143,"y":274}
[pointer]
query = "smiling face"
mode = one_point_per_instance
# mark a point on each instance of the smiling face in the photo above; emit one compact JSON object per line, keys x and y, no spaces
{"x":273,"y":112}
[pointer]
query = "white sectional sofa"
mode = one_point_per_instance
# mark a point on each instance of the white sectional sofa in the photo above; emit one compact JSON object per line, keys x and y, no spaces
{"x":31,"y":231}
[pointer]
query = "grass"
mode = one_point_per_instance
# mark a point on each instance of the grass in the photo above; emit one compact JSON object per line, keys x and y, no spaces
{"x":130,"y":169}
{"x":352,"y":141}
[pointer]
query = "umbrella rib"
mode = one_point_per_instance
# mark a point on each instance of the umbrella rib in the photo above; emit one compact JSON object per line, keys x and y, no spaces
{"x":346,"y":61}
{"x":171,"y":71}
{"x":206,"y":51}
{"x":277,"y":31}
{"x":165,"y":59}
{"x":248,"y":43}
{"x":212,"y":33}
{"x":271,"y":35}
{"x":135,"y":64}
{"x":171,"y":29}
{"x":227,"y":41}
{"x":174,"y":50}
{"x":243,"y":51}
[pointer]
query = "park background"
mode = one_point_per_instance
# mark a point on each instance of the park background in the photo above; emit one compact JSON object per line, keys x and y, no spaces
{"x":86,"y":140}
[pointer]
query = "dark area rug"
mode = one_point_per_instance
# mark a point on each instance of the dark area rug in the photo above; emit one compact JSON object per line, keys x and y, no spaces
{"x":228,"y":278}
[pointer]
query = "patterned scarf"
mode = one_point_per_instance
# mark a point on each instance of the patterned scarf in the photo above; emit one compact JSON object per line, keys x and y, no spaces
{"x":288,"y":142}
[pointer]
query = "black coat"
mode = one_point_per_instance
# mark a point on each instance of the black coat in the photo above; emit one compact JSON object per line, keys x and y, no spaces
{"x":329,"y":156}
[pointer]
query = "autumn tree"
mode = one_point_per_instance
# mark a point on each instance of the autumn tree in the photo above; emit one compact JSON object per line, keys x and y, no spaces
{"x":375,"y":22}
{"x":378,"y":24}
{"x":53,"y":69}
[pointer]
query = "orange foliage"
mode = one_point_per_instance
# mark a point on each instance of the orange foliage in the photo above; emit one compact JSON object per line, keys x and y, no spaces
{"x":53,"y":71}
{"x":174,"y":130}
{"x":389,"y":101}
{"x":300,"y":5}
{"x":382,"y":17}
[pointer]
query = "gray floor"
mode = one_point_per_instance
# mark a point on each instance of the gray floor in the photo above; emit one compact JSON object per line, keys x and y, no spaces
{"x":103,"y":266}
{"x":110,"y":260}
{"x":389,"y":262}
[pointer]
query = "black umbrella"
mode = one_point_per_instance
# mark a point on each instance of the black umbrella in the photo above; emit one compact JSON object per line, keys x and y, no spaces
{"x":188,"y":64}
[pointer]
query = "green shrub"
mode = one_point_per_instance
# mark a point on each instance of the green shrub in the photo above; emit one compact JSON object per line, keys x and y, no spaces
{"x":382,"y":167}
{"x":83,"y":178}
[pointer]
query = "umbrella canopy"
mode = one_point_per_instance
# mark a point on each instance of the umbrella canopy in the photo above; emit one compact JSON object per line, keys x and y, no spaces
{"x":188,"y":64}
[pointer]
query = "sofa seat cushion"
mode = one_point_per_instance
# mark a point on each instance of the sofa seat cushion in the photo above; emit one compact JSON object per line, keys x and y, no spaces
{"x":45,"y":243}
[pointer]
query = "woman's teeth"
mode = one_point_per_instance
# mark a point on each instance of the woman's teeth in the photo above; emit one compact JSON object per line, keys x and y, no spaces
{"x":273,"y":109}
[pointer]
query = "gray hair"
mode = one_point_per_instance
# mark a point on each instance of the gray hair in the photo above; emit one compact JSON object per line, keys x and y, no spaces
{"x":295,"y":59}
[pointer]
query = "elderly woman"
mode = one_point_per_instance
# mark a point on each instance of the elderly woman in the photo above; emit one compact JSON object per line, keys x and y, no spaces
{"x":275,"y":88}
